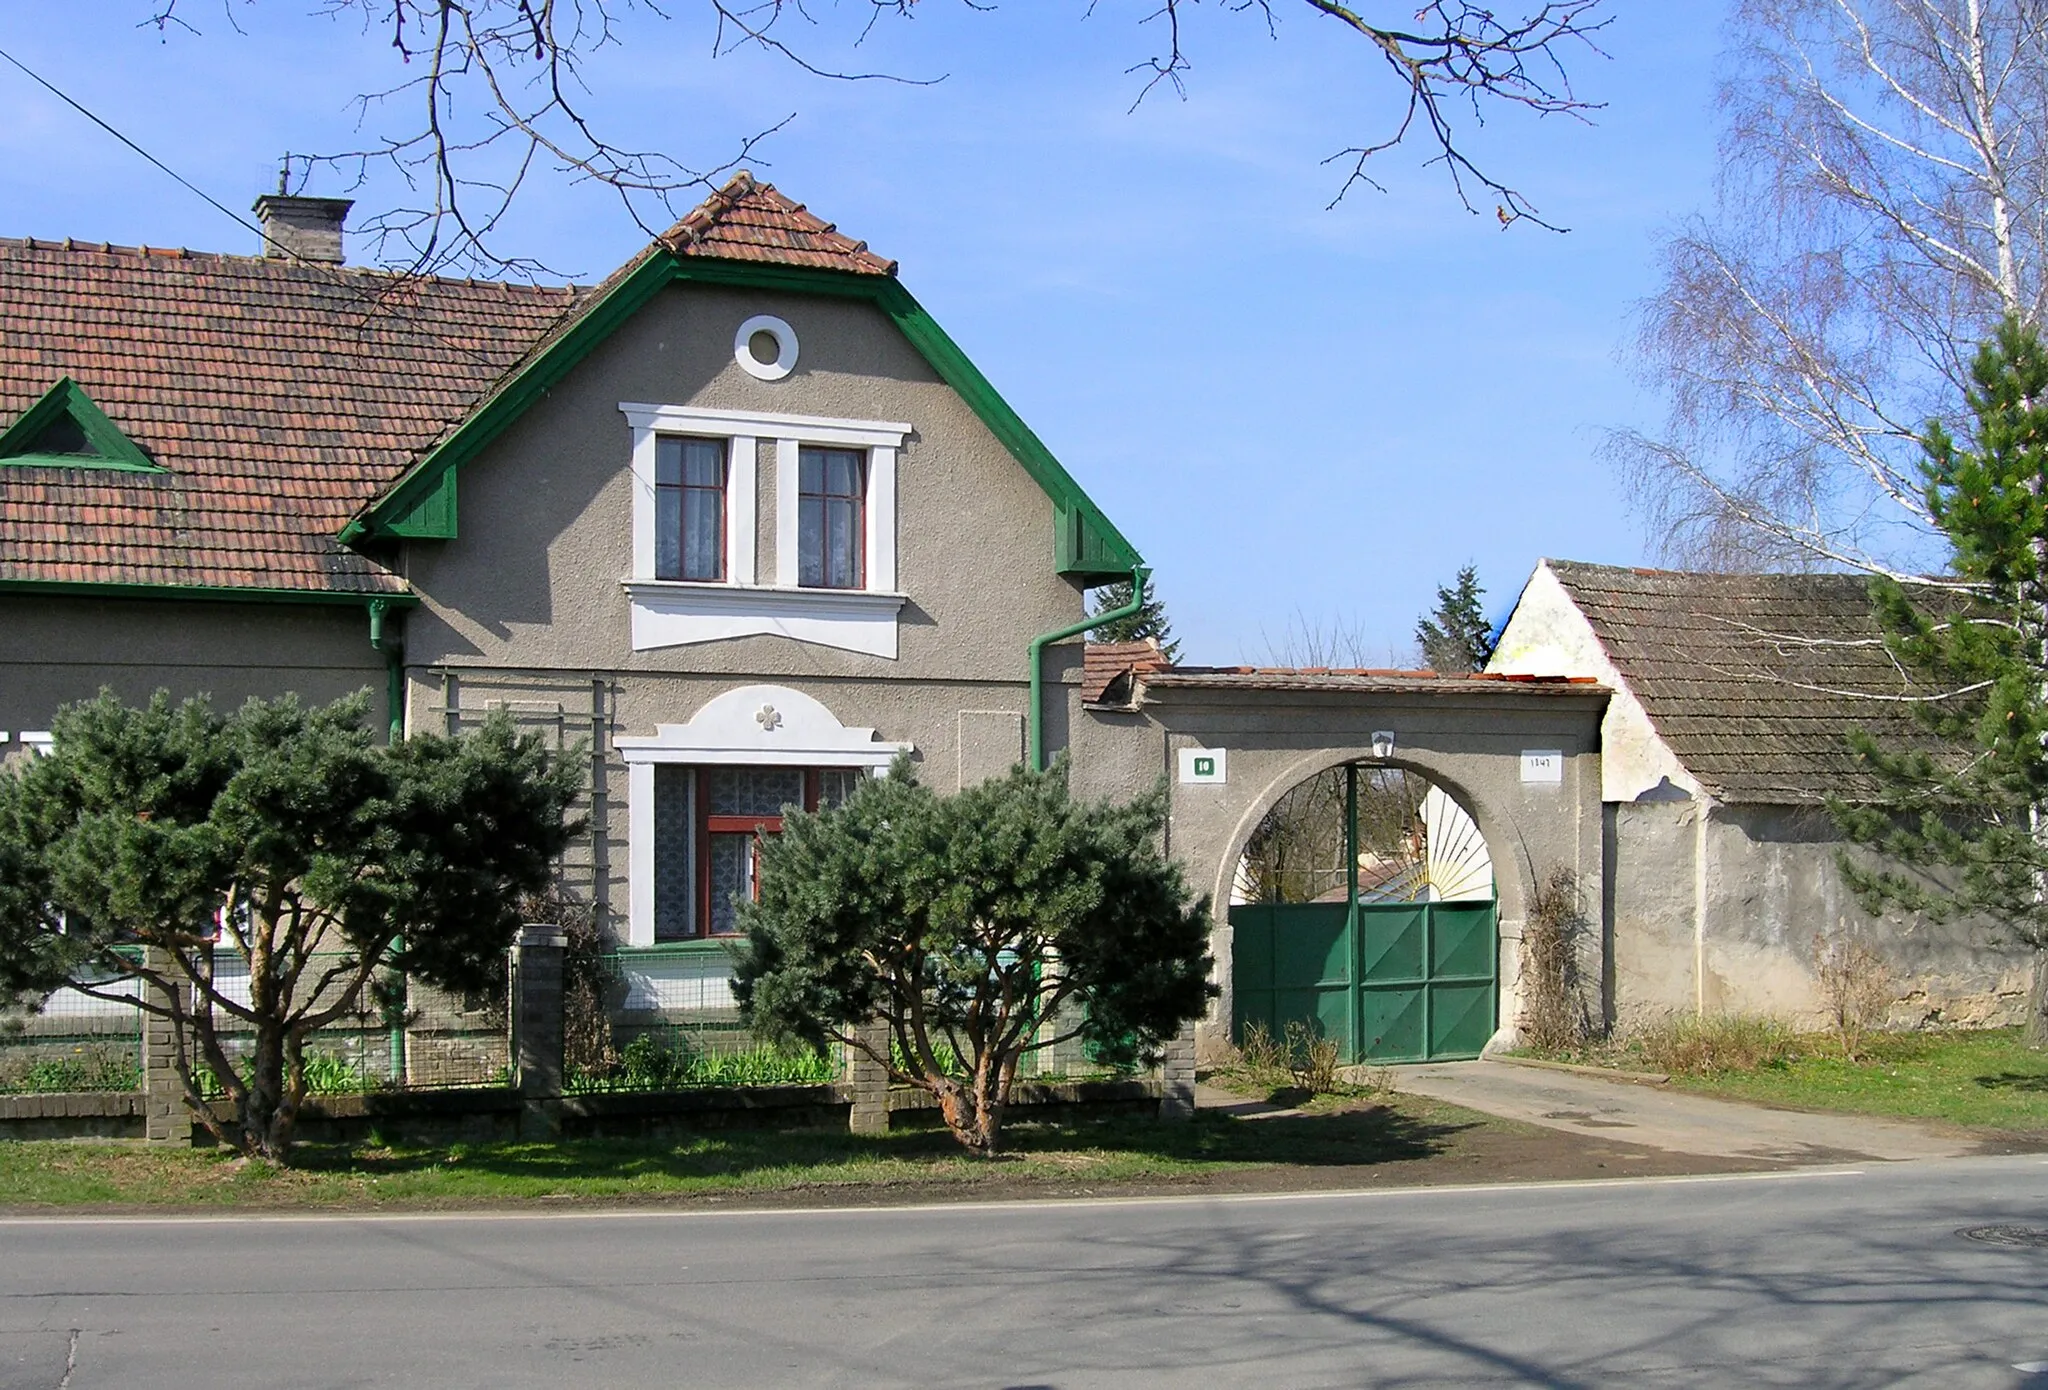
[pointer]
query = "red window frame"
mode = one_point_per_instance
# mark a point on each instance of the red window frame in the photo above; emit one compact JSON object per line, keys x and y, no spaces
{"x":684,"y":489}
{"x":755,"y":825}
{"x":859,"y":498}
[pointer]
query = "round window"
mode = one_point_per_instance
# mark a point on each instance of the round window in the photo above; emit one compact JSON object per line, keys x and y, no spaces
{"x":765,"y":348}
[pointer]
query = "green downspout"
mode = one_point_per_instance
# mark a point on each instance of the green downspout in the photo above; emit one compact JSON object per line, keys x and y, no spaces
{"x":394,"y":704}
{"x":394,"y":666}
{"x":1036,"y":720}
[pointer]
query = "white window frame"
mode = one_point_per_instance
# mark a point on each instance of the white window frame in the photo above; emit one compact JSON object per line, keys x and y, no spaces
{"x":750,"y":726}
{"x":670,"y":613}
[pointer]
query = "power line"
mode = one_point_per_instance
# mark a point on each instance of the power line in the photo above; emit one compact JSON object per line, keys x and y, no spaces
{"x":181,"y":180}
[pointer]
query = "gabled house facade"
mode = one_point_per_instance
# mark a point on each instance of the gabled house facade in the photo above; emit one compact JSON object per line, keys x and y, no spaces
{"x":741,"y":518}
{"x":1733,"y":697}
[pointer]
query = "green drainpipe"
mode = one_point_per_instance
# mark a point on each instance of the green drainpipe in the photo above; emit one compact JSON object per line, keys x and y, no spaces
{"x":1036,"y":718}
{"x":394,"y":665}
{"x":385,"y":641}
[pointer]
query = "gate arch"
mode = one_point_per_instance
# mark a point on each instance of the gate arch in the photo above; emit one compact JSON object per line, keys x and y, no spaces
{"x":1473,"y":736}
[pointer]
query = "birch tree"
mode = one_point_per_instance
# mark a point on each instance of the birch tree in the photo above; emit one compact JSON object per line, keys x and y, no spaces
{"x":1883,"y":207}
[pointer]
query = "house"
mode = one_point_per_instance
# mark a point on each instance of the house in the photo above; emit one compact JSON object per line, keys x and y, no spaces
{"x":1733,"y":696}
{"x":741,"y":519}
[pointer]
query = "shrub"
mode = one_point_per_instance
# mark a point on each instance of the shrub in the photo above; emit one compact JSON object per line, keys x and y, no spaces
{"x":1554,"y":1013}
{"x":1690,"y":1046}
{"x":1300,"y":1058}
{"x":90,"y":1068}
{"x":1855,"y":986}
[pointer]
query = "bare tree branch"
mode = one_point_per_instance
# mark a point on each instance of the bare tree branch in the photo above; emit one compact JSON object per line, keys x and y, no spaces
{"x":497,"y":93}
{"x":1884,"y":205}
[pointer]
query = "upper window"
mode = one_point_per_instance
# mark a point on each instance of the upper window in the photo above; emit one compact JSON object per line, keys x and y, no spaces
{"x":689,"y":509}
{"x":831,"y":519}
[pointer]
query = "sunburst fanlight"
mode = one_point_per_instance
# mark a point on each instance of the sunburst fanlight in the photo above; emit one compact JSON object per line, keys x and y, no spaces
{"x":1443,"y":860}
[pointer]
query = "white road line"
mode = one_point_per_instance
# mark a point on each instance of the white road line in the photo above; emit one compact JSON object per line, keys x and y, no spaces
{"x":653,"y":1210}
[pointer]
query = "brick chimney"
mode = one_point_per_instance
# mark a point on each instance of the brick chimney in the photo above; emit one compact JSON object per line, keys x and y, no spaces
{"x":305,"y":229}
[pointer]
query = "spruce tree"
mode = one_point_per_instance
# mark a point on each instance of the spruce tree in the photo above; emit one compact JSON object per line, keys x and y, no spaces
{"x":1959,"y":820}
{"x":1149,"y":621}
{"x":1457,"y":636}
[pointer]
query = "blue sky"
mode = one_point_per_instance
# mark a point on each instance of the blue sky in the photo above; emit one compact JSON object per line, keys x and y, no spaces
{"x":1302,"y":415}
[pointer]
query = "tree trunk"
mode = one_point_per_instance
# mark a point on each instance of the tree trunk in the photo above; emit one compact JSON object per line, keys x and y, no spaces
{"x":270,"y":1106}
{"x":973,"y":1113}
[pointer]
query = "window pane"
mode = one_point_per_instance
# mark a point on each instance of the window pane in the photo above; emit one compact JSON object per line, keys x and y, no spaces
{"x":810,"y":471}
{"x":732,"y":880}
{"x":835,"y":784}
{"x":675,"y":876}
{"x":842,"y":474}
{"x":842,"y":545}
{"x":755,"y":791}
{"x":703,"y":533}
{"x":810,"y":542}
{"x":668,"y":460}
{"x":668,"y":533}
{"x":704,"y":462}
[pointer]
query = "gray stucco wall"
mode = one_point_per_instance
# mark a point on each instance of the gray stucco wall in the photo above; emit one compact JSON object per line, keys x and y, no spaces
{"x":1739,"y":936}
{"x":534,"y":580}
{"x":57,"y":649}
{"x":527,"y":608}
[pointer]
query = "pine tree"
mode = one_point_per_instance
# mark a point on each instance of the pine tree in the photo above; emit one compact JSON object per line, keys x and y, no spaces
{"x":1960,"y":820}
{"x":1457,"y":636}
{"x":1149,"y":621}
{"x":978,"y":928}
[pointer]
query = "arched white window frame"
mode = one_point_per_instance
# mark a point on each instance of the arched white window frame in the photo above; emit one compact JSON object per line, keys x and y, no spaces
{"x":751,"y":726}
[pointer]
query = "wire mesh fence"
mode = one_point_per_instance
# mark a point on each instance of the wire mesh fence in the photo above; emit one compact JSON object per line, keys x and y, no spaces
{"x":400,"y":1035}
{"x":662,"y":1020}
{"x":73,"y":1042}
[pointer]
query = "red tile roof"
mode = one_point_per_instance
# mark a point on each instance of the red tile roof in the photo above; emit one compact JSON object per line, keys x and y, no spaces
{"x":1105,"y":667}
{"x":749,"y":221}
{"x":281,"y":397}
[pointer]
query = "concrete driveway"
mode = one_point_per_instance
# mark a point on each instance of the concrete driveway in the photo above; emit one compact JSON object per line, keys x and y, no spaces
{"x":1676,"y":1121}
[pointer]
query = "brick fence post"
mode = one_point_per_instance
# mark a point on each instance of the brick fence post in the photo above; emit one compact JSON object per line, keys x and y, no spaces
{"x":1177,"y":1077}
{"x":537,"y":1027}
{"x":869,"y":1082}
{"x":165,"y":1118}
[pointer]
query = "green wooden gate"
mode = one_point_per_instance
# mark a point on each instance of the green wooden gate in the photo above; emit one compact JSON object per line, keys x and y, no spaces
{"x":1391,"y":982}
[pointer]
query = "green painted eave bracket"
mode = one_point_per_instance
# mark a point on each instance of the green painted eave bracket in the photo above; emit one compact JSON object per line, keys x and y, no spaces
{"x":113,"y":451}
{"x":422,"y":503}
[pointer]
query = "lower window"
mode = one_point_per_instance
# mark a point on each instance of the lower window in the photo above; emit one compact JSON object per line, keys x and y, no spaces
{"x":709,"y":824}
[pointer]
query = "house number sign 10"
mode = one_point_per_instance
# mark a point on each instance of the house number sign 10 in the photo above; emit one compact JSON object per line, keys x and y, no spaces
{"x":1202,"y":767}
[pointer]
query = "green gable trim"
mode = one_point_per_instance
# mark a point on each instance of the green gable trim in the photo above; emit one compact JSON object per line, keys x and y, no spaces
{"x":205,"y":593}
{"x":432,"y":518}
{"x":109,"y":448}
{"x":421,"y":504}
{"x":408,"y":499}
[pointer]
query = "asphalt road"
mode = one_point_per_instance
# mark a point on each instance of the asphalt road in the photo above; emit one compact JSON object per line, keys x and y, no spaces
{"x":1842,"y":1277}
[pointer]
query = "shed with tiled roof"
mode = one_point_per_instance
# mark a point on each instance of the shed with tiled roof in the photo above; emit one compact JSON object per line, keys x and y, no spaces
{"x":1749,"y":682}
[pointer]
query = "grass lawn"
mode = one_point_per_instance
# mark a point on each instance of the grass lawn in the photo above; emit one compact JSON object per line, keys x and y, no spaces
{"x":1389,"y":1141}
{"x":738,"y":1162}
{"x":1988,"y":1079}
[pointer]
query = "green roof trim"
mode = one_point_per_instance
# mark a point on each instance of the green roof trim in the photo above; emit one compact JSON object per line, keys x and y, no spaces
{"x":422,"y":503}
{"x":90,"y":439}
{"x":205,"y":593}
